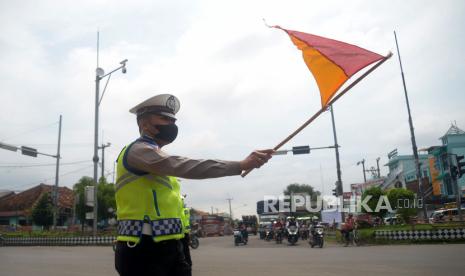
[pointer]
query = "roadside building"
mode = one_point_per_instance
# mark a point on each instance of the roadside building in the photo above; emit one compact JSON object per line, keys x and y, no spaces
{"x":16,"y":209}
{"x":356,"y":189}
{"x":402,"y":170}
{"x":443,"y":188}
{"x":5,"y":193}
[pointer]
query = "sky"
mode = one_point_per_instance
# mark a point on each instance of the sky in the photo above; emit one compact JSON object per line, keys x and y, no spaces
{"x":242,"y":86}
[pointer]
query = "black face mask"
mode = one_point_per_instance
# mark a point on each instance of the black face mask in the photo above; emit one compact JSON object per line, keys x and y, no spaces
{"x":167,"y":133}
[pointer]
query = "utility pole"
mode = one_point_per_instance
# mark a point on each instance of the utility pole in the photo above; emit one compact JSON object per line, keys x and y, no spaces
{"x":55,"y":188}
{"x":114,"y":169}
{"x":412,"y":134}
{"x":364,"y":173}
{"x":456,"y":171}
{"x":230,"y":210}
{"x":103,"y":156}
{"x":339,"y":188}
{"x":377,"y":164}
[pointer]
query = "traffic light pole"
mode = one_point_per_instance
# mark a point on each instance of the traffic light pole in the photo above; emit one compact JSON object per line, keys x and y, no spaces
{"x":457,"y":170}
{"x":336,"y":149}
{"x":33,"y":153}
{"x":55,"y":188}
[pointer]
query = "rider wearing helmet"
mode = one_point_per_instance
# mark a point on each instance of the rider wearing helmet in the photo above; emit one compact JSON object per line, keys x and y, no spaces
{"x":292,"y":222}
{"x":348,"y":226}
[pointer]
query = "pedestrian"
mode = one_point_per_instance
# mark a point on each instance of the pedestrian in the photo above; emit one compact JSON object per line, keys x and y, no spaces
{"x":148,"y":199}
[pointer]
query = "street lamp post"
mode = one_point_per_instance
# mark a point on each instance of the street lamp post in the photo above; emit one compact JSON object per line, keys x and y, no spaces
{"x":100,"y":74}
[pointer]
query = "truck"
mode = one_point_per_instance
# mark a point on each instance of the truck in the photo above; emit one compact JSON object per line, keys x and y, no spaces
{"x":250,"y":223}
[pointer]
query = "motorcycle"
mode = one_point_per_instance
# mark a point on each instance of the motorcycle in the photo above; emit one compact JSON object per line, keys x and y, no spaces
{"x":268,"y":235}
{"x":317,"y":237}
{"x":304,"y":234}
{"x":279,"y":235}
{"x":292,"y":234}
{"x":193,"y":240}
{"x":240,"y":236}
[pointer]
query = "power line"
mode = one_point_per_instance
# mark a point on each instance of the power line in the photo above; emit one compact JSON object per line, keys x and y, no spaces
{"x":42,"y":165}
{"x":44,"y":180}
{"x":29,"y":131}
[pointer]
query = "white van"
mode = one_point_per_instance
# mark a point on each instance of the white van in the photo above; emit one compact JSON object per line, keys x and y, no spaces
{"x":445,"y":215}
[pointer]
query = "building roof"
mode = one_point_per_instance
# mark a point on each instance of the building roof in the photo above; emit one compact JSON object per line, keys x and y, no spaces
{"x":398,"y":158}
{"x":24,"y":201}
{"x":454,"y":130}
{"x":6,"y":193}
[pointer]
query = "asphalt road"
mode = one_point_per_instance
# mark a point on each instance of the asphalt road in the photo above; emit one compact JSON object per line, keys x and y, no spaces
{"x":219,"y":256}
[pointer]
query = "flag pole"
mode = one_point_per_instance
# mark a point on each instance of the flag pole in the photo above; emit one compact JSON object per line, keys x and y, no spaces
{"x":324,"y":108}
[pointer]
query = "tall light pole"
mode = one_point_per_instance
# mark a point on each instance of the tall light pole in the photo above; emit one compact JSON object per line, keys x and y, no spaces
{"x":412,"y":136}
{"x":99,"y":75}
{"x":377,"y":164}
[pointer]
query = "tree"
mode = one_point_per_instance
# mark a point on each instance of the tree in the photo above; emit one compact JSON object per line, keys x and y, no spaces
{"x":296,"y":188}
{"x":403,"y":201}
{"x":105,"y":199}
{"x":42,"y":213}
{"x":79,"y":191}
{"x":376,"y":193}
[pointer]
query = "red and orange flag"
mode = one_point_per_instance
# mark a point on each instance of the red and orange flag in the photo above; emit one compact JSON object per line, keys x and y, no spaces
{"x":331,"y":62}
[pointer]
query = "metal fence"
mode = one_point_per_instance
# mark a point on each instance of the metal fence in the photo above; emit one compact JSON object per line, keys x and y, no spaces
{"x":57,"y":241}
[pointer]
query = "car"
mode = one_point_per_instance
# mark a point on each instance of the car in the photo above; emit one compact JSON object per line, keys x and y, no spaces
{"x":444,"y":215}
{"x":392,"y":219}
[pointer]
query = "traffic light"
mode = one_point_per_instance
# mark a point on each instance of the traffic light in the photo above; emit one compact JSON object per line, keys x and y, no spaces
{"x":460,"y":166}
{"x":334,"y":191}
{"x":29,"y":151}
{"x":301,"y":150}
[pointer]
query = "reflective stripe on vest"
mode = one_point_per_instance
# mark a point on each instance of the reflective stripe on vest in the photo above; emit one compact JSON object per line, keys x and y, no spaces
{"x":160,"y":227}
{"x":147,"y":198}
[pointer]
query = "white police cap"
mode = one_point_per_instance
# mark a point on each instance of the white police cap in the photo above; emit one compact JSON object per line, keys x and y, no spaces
{"x":163,"y":104}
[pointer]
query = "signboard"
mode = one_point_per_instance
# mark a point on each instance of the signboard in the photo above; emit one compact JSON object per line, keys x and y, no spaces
{"x":433,"y":168}
{"x":29,"y":151}
{"x":89,"y":196}
{"x":347,"y":195}
{"x":90,"y":215}
{"x":331,"y":216}
{"x":392,"y":154}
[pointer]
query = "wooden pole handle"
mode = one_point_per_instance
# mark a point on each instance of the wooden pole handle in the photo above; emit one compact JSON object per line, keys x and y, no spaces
{"x":324,"y":108}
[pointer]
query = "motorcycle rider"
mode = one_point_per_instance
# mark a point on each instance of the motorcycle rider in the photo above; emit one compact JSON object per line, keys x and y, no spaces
{"x":243,"y":229}
{"x":313,"y":225}
{"x":292,"y":222}
{"x":292,"y":236}
{"x":278,"y":227}
{"x":348,"y":227}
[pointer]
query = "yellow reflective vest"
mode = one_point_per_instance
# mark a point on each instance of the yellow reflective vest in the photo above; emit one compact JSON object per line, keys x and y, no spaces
{"x":147,"y":198}
{"x":186,"y":220}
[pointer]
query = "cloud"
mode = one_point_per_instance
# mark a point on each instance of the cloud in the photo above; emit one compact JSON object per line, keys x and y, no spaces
{"x":242,"y":86}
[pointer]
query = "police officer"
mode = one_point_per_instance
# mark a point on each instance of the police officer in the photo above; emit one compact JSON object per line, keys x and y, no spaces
{"x":187,"y":230}
{"x":148,"y":199}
